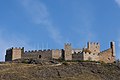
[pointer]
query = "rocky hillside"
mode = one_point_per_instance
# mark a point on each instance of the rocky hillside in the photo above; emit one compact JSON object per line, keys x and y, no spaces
{"x":64,"y":71}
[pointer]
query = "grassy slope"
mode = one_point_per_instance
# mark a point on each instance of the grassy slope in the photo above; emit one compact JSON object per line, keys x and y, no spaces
{"x":70,"y":71}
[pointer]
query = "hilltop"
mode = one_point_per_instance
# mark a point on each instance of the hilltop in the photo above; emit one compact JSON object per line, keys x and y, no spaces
{"x":59,"y":71}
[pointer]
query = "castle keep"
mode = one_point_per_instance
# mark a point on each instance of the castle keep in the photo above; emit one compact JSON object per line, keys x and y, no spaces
{"x":91,"y":53}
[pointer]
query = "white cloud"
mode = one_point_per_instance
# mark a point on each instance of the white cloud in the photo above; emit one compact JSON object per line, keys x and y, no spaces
{"x":118,"y":2}
{"x":36,"y":10}
{"x":40,"y":15}
{"x":55,"y":34}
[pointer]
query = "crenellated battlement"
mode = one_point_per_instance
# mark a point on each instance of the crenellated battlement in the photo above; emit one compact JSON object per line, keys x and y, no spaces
{"x":14,"y":53}
{"x":68,"y":44}
{"x":17,"y":48}
{"x":35,"y":51}
{"x":94,"y":43}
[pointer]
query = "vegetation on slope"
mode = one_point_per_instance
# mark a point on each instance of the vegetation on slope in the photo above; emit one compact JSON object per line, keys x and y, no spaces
{"x":66,"y":71}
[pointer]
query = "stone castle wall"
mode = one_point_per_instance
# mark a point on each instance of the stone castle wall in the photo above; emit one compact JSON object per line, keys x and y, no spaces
{"x":90,"y":56}
{"x":77,"y":56}
{"x":107,"y":56}
{"x":43,"y":55}
{"x":16,"y":53}
{"x":57,"y":54}
{"x":13,"y":54}
{"x":92,"y":53}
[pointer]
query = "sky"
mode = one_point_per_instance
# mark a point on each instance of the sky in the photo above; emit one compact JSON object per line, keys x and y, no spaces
{"x":48,"y":24}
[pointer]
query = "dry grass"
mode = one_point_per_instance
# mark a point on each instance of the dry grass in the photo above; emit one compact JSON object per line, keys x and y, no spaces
{"x":73,"y":71}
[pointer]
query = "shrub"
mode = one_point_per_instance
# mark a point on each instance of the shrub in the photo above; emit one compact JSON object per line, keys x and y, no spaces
{"x":65,"y":63}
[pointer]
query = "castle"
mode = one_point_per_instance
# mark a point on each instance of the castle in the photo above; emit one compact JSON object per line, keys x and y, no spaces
{"x":91,"y":53}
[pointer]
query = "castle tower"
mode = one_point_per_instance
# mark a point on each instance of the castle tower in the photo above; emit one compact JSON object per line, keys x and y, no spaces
{"x":68,"y":52}
{"x":13,"y":53}
{"x":93,"y":47}
{"x":112,"y":46}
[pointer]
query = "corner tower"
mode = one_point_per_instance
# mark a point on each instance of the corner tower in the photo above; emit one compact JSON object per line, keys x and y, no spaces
{"x":68,"y":52}
{"x":14,"y":53}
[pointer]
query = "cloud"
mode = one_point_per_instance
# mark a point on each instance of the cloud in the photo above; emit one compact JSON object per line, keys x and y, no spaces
{"x":118,"y":2}
{"x":36,"y":10}
{"x":40,"y":15}
{"x":55,"y":34}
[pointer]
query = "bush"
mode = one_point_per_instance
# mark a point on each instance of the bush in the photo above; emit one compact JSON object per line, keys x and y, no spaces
{"x":65,"y":63}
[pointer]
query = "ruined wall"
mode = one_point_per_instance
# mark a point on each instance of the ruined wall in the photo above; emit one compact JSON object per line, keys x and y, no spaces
{"x":77,"y":56}
{"x":90,"y":56}
{"x":68,"y":52}
{"x":93,"y":47}
{"x":43,"y":55}
{"x":107,"y":56}
{"x":57,"y":54}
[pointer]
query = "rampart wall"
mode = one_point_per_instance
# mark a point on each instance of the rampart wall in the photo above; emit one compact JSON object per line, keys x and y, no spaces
{"x":40,"y":54}
{"x":77,"y":56}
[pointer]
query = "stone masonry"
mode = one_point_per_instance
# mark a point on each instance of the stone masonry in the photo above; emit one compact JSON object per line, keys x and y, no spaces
{"x":91,"y":53}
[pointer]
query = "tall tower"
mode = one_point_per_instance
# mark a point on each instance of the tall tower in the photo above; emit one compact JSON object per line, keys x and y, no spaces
{"x":112,"y":45}
{"x":68,"y":52}
{"x":93,"y":47}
